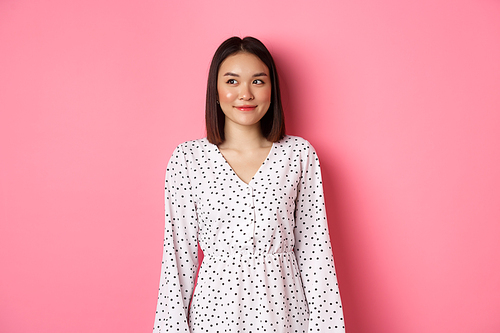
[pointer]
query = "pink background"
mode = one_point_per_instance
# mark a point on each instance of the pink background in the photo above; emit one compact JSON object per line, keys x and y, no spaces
{"x":400,"y":99}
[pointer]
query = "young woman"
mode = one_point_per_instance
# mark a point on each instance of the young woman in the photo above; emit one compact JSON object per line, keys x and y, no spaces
{"x":252,"y":198}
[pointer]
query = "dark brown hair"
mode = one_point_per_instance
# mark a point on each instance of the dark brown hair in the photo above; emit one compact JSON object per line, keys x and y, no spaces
{"x":273,"y":122}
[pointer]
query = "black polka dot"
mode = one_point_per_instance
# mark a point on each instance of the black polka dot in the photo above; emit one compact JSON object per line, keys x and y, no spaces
{"x":268,"y":264}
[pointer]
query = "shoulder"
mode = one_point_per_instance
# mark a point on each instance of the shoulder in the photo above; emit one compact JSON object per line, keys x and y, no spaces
{"x":187,"y":155}
{"x":296,"y":143}
{"x":193,"y":151}
{"x":192,"y":145}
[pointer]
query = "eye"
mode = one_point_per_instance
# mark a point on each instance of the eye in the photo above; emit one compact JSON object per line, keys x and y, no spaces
{"x":258,"y":81}
{"x":231,"y":81}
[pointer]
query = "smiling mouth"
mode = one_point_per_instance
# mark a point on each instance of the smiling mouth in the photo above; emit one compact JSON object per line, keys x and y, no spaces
{"x":246,"y":107}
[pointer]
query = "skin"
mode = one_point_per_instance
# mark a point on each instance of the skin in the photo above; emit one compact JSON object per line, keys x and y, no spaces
{"x":243,"y":80}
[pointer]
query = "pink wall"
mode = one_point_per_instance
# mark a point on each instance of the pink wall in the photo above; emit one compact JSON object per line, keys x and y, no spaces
{"x":399,"y":98}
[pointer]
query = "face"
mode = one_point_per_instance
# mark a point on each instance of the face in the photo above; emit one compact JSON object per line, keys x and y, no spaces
{"x":244,"y":89}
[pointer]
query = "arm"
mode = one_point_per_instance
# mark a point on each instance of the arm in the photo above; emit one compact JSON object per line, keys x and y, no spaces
{"x":180,"y":249}
{"x":313,"y":249}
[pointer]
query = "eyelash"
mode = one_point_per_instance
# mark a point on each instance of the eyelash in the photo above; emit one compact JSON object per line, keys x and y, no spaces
{"x":233,"y":81}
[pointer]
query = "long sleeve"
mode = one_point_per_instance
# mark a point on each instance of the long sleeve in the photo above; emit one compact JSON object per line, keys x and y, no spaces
{"x":180,"y":249}
{"x":313,"y":249}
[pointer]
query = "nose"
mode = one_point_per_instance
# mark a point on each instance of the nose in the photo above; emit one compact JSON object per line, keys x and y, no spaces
{"x":245,"y":93}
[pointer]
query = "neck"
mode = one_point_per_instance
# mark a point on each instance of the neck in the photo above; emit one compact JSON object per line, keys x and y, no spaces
{"x":243,"y":137}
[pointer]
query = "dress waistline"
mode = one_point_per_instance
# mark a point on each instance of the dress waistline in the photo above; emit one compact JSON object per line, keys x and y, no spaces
{"x":247,"y":255}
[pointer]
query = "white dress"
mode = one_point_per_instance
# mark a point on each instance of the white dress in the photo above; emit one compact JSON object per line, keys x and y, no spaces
{"x":268,"y":264}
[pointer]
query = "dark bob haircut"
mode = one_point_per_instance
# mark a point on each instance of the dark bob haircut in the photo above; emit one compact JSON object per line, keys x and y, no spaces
{"x":273,"y":122}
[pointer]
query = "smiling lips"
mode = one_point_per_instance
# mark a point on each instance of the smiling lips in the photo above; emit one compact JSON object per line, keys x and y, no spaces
{"x":246,"y":107}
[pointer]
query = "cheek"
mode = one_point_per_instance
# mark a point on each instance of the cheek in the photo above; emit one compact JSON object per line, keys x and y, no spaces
{"x":266,"y":95}
{"x":226,"y":95}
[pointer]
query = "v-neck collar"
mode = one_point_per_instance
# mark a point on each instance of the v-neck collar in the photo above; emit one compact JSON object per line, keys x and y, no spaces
{"x":235,"y":175}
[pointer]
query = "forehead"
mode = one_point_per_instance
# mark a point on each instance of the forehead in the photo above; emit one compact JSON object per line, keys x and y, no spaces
{"x":243,"y":63}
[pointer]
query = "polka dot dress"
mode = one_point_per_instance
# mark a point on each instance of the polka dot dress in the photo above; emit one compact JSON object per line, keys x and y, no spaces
{"x":268,"y":264}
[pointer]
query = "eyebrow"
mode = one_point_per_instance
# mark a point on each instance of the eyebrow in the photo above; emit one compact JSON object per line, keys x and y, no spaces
{"x":236,"y":75}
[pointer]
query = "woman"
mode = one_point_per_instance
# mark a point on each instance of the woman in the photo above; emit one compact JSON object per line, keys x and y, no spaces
{"x":252,"y":197}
